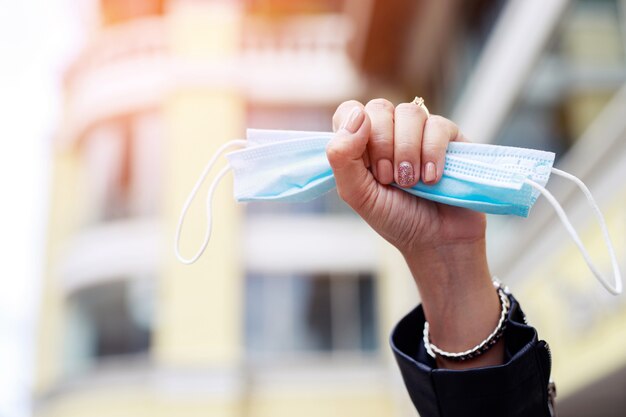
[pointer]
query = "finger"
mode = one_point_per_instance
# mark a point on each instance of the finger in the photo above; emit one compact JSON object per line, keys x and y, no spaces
{"x":345,"y":155}
{"x":460,"y":137}
{"x":341,"y":114}
{"x":438,"y":132}
{"x":380,"y":146}
{"x":409,"y":122}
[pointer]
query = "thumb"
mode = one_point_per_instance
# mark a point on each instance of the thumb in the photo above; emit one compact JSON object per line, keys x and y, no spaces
{"x":345,"y":153}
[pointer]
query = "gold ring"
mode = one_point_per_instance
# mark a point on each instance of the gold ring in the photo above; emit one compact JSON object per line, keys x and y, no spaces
{"x":418,"y":101}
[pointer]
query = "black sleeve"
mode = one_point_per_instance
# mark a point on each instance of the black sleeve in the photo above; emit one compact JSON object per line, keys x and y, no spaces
{"x":517,"y":388}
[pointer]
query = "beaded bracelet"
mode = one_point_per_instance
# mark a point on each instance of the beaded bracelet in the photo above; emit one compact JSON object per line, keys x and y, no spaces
{"x":483,"y":346}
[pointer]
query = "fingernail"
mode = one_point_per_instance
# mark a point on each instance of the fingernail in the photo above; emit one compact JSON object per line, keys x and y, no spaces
{"x":354,"y":120}
{"x":430,"y":172}
{"x":406,"y":175}
{"x":384,"y":169}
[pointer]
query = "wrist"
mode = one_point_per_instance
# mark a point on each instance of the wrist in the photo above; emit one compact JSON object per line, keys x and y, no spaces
{"x":447,"y":270}
{"x":458,"y":296}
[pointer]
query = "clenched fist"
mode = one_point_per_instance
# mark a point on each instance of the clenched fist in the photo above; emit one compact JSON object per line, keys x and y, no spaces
{"x":378,"y":144}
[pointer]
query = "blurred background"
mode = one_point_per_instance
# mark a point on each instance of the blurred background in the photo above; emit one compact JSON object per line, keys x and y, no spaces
{"x":112,"y":107}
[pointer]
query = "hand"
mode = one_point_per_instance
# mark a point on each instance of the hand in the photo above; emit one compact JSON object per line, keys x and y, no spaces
{"x":398,"y":144}
{"x":444,"y":246}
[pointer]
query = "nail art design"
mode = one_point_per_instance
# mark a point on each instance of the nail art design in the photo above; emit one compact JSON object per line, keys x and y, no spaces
{"x":406,"y":175}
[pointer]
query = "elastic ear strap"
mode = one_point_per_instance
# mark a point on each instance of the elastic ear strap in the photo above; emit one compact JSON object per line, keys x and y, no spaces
{"x":613,"y":289}
{"x":192,"y":195}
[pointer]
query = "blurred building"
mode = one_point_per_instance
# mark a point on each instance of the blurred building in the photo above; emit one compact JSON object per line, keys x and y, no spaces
{"x":277,"y":318}
{"x":289,"y":310}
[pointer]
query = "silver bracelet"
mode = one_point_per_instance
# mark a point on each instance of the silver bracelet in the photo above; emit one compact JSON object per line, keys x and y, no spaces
{"x":483,"y":346}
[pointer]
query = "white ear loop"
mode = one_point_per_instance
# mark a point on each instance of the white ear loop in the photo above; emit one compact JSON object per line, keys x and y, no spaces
{"x":613,"y":289}
{"x":209,"y":199}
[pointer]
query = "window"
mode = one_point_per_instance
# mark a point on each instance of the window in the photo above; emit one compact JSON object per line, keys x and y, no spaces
{"x":122,"y":164}
{"x":108,"y":320}
{"x":304,"y":314}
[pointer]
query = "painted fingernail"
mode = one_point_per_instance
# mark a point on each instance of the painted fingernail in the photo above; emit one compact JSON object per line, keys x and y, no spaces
{"x":406,"y":175}
{"x":384,"y":169}
{"x":430,"y":172}
{"x":354,"y":120}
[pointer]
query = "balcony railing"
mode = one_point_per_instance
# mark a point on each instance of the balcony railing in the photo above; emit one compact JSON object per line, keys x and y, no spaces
{"x":301,"y":60}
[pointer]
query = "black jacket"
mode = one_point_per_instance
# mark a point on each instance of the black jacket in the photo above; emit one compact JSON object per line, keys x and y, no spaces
{"x":518,"y":388}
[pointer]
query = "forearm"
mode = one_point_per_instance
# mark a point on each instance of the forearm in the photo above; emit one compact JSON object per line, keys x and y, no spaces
{"x":459,"y":299}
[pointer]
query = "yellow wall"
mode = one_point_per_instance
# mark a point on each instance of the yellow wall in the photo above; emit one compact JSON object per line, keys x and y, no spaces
{"x":62,"y":222}
{"x":137,"y":402}
{"x":200,"y":305}
{"x":306,"y":405}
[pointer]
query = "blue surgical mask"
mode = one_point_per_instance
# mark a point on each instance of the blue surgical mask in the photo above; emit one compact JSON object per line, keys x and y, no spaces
{"x":291,"y":166}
